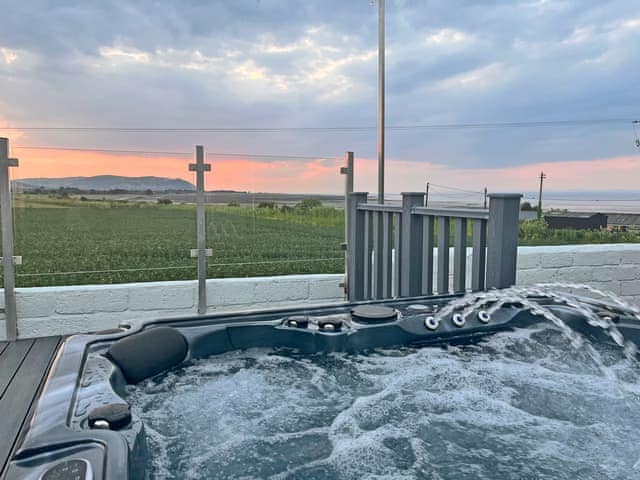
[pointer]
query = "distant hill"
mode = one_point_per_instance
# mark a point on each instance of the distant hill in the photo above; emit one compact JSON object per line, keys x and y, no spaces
{"x":105,"y":183}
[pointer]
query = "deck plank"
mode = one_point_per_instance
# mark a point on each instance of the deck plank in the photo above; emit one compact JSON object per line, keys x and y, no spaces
{"x":22,"y":390}
{"x":10,"y":361}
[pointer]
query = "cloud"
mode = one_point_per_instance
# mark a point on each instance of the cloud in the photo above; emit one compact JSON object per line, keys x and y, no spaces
{"x":265,"y":63}
{"x":9,"y":56}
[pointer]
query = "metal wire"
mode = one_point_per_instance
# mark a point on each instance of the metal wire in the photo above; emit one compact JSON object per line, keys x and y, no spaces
{"x":171,"y":153}
{"x":456,"y":126}
{"x":87,"y":272}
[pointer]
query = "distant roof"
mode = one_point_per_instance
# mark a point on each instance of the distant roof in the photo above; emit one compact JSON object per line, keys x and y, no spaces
{"x":624,"y":218}
{"x":572,"y":214}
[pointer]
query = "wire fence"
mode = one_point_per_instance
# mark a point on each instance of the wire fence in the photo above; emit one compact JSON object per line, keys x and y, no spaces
{"x":91,"y":233}
{"x":72,"y":235}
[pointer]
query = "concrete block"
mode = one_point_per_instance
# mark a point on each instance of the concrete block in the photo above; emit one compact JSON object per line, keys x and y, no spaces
{"x":163,"y":296}
{"x":66,"y":325}
{"x":326,"y":289}
{"x":630,"y":257}
{"x":281,"y":290}
{"x":596,"y":258}
{"x":539,"y":275}
{"x":233,"y":291}
{"x":36,"y":303}
{"x":630,"y":288}
{"x":627,"y":272}
{"x":574,"y":274}
{"x":93,"y":300}
{"x":605,"y":274}
{"x":528,"y":260}
{"x":556,"y":260}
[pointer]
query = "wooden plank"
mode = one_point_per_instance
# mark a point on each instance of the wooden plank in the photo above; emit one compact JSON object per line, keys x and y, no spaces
{"x":459,"y":255}
{"x":23,"y":390}
{"x":366,"y":252}
{"x":397,"y":229}
{"x":355,"y":246}
{"x":427,"y":255}
{"x":387,"y":245}
{"x":479,"y":256}
{"x":443,"y":254}
{"x":378,"y":261}
{"x":10,"y":361}
{"x":411,"y":250}
{"x":453,"y":212}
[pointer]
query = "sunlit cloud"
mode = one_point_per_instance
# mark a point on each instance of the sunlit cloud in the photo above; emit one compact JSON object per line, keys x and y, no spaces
{"x":124,"y":54}
{"x":447,"y":37}
{"x":8,"y":55}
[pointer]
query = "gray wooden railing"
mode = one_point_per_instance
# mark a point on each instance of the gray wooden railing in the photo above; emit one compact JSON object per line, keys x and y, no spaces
{"x":390,"y":248}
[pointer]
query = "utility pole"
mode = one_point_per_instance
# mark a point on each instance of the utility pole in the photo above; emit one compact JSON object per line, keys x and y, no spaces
{"x":426,"y":198}
{"x":484,"y":204}
{"x":381,"y":101}
{"x":542,"y":177}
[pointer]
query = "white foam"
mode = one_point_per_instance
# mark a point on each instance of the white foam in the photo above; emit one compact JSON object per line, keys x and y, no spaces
{"x":520,"y":403}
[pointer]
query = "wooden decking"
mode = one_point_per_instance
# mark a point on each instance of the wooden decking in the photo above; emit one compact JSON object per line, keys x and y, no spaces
{"x":24,"y":365}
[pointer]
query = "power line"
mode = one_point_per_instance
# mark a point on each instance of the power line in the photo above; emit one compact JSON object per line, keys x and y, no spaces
{"x":104,"y":150}
{"x":587,"y":199}
{"x":454,"y":188}
{"x":450,"y":126}
{"x":181,"y":154}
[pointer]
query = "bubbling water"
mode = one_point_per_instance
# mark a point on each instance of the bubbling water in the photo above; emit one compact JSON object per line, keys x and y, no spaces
{"x":517,"y":405}
{"x":494,"y":300}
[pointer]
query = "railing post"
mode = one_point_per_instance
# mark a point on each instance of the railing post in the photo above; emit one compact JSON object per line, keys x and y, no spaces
{"x":347,"y":171}
{"x":6,"y":216}
{"x":411,"y":245}
{"x":200,"y":167}
{"x":502,"y":241}
{"x":355,"y":246}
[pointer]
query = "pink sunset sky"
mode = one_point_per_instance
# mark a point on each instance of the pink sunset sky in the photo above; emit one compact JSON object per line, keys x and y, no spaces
{"x":322,"y":175}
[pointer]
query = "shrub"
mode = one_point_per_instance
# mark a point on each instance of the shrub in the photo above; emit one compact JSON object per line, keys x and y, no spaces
{"x":233,"y":204}
{"x":267,"y":205}
{"x":164,"y":201}
{"x":308,"y":203}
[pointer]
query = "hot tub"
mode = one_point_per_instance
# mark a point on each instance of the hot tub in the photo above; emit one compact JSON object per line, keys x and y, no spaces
{"x":522,"y":384}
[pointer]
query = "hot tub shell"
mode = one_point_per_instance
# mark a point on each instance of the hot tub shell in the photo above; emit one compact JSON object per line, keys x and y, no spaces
{"x":60,"y":442}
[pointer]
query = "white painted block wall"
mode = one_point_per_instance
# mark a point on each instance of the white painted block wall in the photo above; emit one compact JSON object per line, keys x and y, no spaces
{"x":64,"y":310}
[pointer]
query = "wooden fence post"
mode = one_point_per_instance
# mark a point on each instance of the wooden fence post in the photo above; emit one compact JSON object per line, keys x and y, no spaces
{"x":355,"y":246}
{"x":411,"y":245}
{"x":502,"y":241}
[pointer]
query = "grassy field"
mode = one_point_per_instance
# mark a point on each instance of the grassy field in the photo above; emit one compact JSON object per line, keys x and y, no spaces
{"x":66,"y":241}
{"x":125,"y":242}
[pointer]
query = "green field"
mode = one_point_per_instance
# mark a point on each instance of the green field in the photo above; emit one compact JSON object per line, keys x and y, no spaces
{"x":67,"y":241}
{"x":133,"y":242}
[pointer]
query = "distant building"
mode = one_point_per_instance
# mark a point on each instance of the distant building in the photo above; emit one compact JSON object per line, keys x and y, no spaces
{"x":623,"y":221}
{"x":576,"y":220}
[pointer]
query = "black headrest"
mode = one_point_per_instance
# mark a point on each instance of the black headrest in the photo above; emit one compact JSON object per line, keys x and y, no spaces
{"x":149,"y":352}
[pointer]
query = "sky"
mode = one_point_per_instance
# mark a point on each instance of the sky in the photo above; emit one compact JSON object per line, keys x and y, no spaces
{"x":286,"y":66}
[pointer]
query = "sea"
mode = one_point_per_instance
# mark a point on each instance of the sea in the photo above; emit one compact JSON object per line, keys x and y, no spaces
{"x":574,"y":201}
